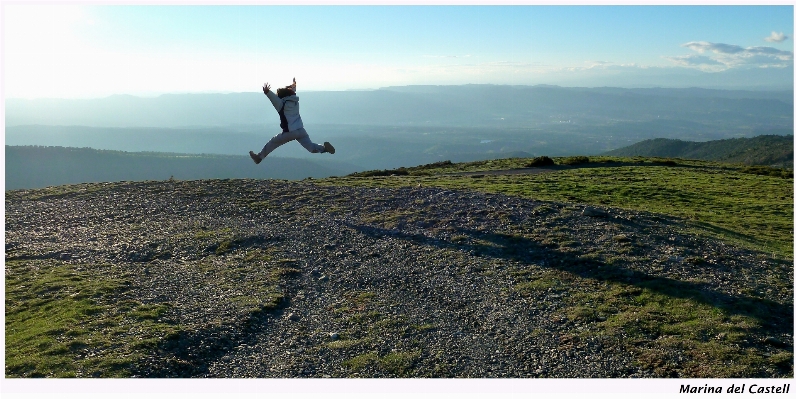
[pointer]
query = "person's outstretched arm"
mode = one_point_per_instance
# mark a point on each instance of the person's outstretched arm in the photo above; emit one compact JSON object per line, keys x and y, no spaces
{"x":275,"y":100}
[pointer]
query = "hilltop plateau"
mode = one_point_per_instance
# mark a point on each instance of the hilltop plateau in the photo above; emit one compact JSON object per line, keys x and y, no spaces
{"x":444,"y":270}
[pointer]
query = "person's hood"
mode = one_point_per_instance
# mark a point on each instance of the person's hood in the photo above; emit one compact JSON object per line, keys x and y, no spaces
{"x":291,"y":98}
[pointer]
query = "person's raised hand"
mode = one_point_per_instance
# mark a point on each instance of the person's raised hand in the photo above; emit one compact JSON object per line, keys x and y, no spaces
{"x":266,"y":88}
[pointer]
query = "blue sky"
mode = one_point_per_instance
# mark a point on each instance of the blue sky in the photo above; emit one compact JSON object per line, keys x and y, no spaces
{"x":68,"y":51}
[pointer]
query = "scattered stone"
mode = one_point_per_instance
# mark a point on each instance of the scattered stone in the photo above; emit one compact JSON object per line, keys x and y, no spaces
{"x":773,"y":342}
{"x":621,"y":238}
{"x":457,"y":305}
{"x":594,"y":212}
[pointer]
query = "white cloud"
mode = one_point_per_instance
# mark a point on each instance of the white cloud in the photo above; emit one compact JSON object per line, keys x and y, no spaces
{"x":721,"y":56}
{"x":770,"y":51}
{"x":776,"y":37}
{"x":719,"y":48}
{"x":597,"y":64}
{"x":693,"y":60}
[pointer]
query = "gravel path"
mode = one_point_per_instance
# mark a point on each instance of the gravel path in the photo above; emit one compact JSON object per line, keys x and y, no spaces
{"x":412,"y":282}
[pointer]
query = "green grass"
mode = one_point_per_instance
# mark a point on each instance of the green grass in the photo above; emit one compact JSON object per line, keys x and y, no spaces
{"x":361,"y":361}
{"x":74,"y":320}
{"x":347,"y":343}
{"x":718,"y":200}
{"x":670,"y":327}
{"x":395,"y":363}
{"x":540,"y":283}
{"x":67,"y":321}
{"x":398,"y":363}
{"x":81,"y":190}
{"x":251,"y":278}
{"x":373,"y":340}
{"x":675,"y":331}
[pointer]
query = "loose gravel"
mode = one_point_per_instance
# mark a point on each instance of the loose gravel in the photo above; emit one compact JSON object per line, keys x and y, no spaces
{"x":407,"y":282}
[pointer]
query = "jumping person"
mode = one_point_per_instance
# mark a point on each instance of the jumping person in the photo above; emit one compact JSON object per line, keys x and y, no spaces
{"x":286,"y":103}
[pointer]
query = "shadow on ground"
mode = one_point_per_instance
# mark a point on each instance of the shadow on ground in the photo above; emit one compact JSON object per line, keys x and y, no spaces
{"x":774,"y":317}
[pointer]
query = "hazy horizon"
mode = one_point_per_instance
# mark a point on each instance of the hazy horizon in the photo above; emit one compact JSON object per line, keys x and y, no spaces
{"x":418,"y":124}
{"x":95,"y":51}
{"x":718,"y":87}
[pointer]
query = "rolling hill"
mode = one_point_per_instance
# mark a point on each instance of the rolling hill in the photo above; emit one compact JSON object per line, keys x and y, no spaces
{"x":768,"y":150}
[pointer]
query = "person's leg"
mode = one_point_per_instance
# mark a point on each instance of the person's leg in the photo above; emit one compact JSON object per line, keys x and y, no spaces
{"x":278,"y":140}
{"x":304,"y":139}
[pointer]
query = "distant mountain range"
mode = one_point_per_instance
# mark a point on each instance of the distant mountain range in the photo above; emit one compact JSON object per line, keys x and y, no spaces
{"x":42,"y":166}
{"x":770,"y":150}
{"x":403,"y":126}
{"x":491,"y":106}
{"x":36,"y":167}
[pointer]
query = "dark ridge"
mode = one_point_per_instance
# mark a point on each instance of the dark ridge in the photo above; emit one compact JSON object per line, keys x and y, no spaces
{"x":766,"y":150}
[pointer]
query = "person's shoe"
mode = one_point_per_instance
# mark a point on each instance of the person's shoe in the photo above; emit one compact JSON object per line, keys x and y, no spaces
{"x":256,"y":158}
{"x":328,"y":147}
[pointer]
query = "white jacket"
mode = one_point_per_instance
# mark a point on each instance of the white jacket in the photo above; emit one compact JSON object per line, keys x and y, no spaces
{"x":291,"y":109}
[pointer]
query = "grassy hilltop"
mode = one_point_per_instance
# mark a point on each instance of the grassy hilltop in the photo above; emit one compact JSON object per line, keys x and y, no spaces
{"x":750,"y":205}
{"x":685,"y":271}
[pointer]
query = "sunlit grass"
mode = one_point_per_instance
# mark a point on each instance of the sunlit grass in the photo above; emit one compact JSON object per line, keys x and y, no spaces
{"x":65,"y":322}
{"x":718,"y":200}
{"x":669,"y":327}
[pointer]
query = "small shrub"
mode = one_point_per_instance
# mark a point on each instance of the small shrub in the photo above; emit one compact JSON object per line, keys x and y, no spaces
{"x":541,"y":161}
{"x":575,"y":160}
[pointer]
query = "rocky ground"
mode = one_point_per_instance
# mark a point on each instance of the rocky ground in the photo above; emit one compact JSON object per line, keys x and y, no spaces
{"x":412,"y":282}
